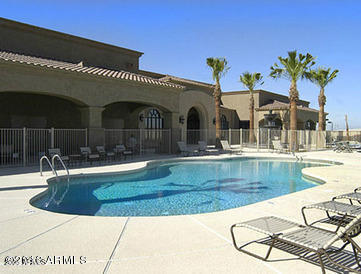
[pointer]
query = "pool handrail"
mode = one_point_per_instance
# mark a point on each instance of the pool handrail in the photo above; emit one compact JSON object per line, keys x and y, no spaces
{"x":56,"y":156}
{"x":51,"y":166}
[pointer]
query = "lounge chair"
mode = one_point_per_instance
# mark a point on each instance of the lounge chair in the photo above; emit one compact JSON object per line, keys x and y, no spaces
{"x":279,"y":147}
{"x":354,"y":145}
{"x":203,"y":149}
{"x":311,"y":238}
{"x":342,"y":147}
{"x":185,"y":150}
{"x":122,"y":150}
{"x":88,"y":155}
{"x":352,"y":196}
{"x":104,"y":154}
{"x":226,"y":147}
{"x":56,"y":151}
{"x":343,"y":212}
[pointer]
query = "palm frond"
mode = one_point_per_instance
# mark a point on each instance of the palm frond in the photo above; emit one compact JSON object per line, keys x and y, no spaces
{"x":251,"y":80}
{"x":293,"y":67}
{"x":219,"y":67}
{"x":321,"y":76}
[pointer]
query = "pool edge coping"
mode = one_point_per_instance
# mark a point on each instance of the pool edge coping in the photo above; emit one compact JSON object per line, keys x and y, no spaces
{"x":148,"y":164}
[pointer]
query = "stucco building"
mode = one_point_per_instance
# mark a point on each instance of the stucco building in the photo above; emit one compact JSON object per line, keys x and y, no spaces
{"x":266,"y":101}
{"x":52,"y":79}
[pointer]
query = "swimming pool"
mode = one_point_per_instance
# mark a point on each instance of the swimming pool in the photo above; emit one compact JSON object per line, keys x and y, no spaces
{"x":174,"y":188}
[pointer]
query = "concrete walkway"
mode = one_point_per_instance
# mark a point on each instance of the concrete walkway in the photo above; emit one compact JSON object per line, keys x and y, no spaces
{"x":173,"y":244}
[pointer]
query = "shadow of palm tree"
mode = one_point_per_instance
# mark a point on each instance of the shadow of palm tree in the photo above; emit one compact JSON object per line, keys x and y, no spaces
{"x":203,"y":189}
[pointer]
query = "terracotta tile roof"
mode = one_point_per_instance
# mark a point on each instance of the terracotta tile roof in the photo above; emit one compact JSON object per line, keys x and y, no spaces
{"x":169,"y":78}
{"x":277,"y":105}
{"x":124,"y":75}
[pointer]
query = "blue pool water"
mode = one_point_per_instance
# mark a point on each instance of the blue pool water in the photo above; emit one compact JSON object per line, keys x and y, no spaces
{"x":176,"y":188}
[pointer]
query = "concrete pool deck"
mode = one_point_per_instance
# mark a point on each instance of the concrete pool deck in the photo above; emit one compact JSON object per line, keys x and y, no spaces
{"x":198,"y":243}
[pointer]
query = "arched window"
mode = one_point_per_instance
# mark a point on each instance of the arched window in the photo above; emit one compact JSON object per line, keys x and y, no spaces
{"x":310,"y":125}
{"x":153,"y":120}
{"x":224,"y":122}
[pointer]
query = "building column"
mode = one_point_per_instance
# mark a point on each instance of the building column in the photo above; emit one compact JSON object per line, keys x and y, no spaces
{"x":91,"y":118}
{"x":171,"y":121}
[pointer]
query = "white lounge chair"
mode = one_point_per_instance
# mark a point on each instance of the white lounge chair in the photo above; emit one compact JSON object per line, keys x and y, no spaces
{"x":54,"y":151}
{"x":104,"y":154}
{"x":88,"y":155}
{"x":122,"y":150}
{"x":226,"y":147}
{"x":203,"y":149}
{"x":185,"y":150}
{"x":279,"y":147}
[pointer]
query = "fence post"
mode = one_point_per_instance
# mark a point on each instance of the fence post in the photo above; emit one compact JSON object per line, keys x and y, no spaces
{"x":241,"y":137}
{"x":24,"y":146}
{"x":230,"y":136}
{"x":258,"y":139}
{"x":86,"y":137}
{"x":52,"y":137}
{"x":170,"y":141}
{"x":268,"y":138}
{"x":140,"y":142}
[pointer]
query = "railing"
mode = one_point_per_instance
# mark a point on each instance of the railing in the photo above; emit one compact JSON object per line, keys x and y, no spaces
{"x":21,"y":147}
{"x":56,"y":156}
{"x":50,"y":165}
{"x":141,"y":141}
{"x":304,"y":140}
{"x":24,"y":147}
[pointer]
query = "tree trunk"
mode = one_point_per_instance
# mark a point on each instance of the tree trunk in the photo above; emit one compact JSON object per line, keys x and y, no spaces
{"x":217,"y":101}
{"x":321,"y":113}
{"x":293,"y":115}
{"x":251,"y":118}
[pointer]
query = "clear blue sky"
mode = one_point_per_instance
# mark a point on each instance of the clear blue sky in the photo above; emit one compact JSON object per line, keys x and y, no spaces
{"x":177,"y":37}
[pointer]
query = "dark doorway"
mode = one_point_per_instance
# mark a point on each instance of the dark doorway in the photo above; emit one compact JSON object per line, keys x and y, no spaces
{"x":244,"y":124}
{"x":193,"y":127}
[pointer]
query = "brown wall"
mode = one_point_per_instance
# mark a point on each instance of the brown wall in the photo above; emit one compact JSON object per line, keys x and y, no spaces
{"x":25,"y":39}
{"x":266,"y":98}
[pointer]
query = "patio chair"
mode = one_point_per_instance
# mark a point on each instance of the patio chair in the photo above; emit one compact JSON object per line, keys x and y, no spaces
{"x":352,"y":196}
{"x":122,"y":150}
{"x":344,"y":213}
{"x":203,"y":149}
{"x":185,"y":150}
{"x":310,"y":238}
{"x":226,"y":147}
{"x":54,"y":151}
{"x":354,"y":145}
{"x":342,"y":147}
{"x":104,"y":155}
{"x":88,"y":155}
{"x":279,"y":147}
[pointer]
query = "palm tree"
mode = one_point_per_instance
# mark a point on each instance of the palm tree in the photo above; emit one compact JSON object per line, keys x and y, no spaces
{"x":250,"y":81}
{"x":219,"y":69}
{"x":321,"y":77}
{"x":293,"y":68}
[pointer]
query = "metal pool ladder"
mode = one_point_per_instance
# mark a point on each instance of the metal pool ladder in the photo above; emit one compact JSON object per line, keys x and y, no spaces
{"x":52,"y":165}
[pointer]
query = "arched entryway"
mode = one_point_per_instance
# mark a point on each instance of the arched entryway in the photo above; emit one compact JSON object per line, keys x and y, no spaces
{"x":32,"y":110}
{"x":193,"y":126}
{"x":132,"y":115}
